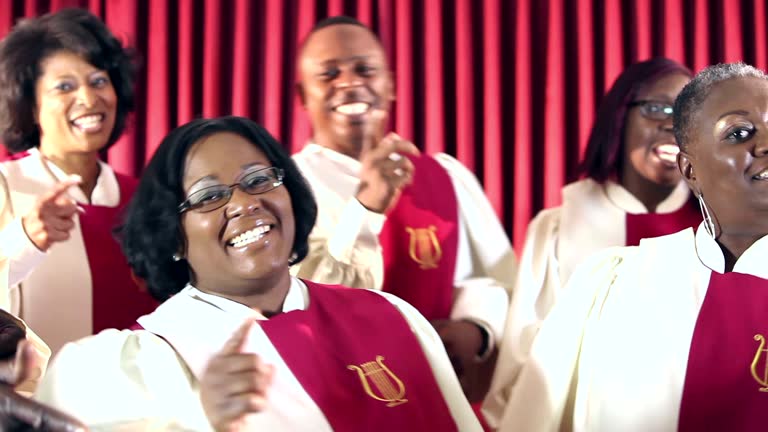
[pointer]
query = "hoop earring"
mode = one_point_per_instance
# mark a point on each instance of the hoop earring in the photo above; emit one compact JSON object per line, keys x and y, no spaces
{"x":709,"y":224}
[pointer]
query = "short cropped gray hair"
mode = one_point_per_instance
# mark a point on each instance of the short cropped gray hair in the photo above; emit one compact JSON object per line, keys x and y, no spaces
{"x":690,"y":99}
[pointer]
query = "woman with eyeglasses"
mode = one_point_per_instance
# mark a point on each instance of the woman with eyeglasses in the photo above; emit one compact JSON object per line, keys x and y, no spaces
{"x":671,"y":335}
{"x":631,"y":190}
{"x":66,"y":91}
{"x":220,"y":214}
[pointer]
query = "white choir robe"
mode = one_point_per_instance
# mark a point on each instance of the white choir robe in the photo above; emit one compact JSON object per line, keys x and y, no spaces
{"x":344,"y":245}
{"x":134,"y":380}
{"x":612,"y":354}
{"x":57,"y":284}
{"x":591,"y":218}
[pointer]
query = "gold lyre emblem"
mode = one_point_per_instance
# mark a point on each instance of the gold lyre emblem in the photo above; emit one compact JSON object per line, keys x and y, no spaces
{"x":762,"y":351}
{"x":424,"y":246}
{"x":389,"y":388}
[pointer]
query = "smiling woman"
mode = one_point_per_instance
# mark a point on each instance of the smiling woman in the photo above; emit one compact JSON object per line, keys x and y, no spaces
{"x":214,"y":236}
{"x":670,"y":335}
{"x":61,"y":103}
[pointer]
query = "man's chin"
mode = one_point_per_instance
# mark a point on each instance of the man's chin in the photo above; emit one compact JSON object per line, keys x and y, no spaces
{"x":352,"y":142}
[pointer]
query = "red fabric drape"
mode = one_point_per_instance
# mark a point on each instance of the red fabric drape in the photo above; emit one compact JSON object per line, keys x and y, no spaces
{"x":509,"y":87}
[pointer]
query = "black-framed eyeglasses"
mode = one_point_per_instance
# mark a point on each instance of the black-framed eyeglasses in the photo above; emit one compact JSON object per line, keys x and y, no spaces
{"x":213,"y":197}
{"x":654,"y":110}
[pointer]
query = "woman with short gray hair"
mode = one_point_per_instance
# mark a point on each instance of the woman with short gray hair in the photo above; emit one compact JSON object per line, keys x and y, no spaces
{"x":671,"y":335}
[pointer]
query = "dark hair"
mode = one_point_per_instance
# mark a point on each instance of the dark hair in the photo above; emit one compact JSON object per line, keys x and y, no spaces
{"x":152,"y":233}
{"x":695,"y":92}
{"x":605,"y":147}
{"x":336,"y":20}
{"x":332,"y":21}
{"x":30,"y":42}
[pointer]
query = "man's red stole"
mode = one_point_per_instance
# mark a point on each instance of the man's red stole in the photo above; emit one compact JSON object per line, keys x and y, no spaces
{"x":420,"y":240}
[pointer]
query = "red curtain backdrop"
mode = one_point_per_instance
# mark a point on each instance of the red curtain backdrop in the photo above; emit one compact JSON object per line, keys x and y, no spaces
{"x":508,"y":87}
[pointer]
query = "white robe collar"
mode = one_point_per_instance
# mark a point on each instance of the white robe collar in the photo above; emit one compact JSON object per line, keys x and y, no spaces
{"x":198,"y":324}
{"x":345,"y":164}
{"x":296,"y":299}
{"x":106,"y":193}
{"x":752,"y":261}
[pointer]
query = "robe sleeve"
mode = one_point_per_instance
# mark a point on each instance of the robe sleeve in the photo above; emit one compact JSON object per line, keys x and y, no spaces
{"x":348,"y":253}
{"x":18,"y":255}
{"x":537,"y":286}
{"x":485,"y":262}
{"x":124,"y":380}
{"x":542,"y":399}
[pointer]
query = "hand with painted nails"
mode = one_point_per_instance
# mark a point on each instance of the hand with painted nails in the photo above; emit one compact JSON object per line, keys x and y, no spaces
{"x":51,"y":220}
{"x":385,"y":171}
{"x":234,"y":383}
{"x":19,"y":413}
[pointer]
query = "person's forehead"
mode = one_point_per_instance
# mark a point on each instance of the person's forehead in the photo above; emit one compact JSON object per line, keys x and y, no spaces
{"x":340,"y":42}
{"x":212,"y":155}
{"x":63,"y":60}
{"x":745,"y":92}
{"x":665,"y":86}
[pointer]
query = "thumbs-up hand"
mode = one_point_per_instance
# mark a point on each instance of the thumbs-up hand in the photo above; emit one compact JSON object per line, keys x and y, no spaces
{"x":234,"y":383}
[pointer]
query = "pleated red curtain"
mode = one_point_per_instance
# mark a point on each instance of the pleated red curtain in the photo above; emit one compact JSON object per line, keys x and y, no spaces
{"x":508,"y":87}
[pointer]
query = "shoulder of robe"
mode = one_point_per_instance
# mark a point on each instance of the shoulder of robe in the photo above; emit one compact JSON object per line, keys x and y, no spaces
{"x":666,"y":252}
{"x":655,"y":255}
{"x":453,"y":166}
{"x":545,"y":220}
{"x":111,"y":347}
{"x":580,"y":188}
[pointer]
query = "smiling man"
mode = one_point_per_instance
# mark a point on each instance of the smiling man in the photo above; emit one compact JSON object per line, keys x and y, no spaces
{"x":389,"y":217}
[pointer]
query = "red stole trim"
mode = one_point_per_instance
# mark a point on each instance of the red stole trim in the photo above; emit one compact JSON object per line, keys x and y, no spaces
{"x":14,"y":156}
{"x":327,"y":347}
{"x":117,"y":300}
{"x":726,"y":382}
{"x":647,"y":225}
{"x":420,"y":239}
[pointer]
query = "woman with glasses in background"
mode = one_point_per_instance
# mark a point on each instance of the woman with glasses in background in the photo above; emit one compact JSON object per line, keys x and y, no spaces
{"x":632,"y":189}
{"x":239,"y":343}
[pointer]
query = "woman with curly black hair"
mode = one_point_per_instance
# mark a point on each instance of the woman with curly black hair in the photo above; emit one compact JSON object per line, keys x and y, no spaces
{"x":219,"y":216}
{"x":66,"y":89}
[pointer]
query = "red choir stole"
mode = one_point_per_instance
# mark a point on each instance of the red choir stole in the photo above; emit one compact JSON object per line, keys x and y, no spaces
{"x":117,"y":298}
{"x":419,"y":241}
{"x":726,"y":381}
{"x":359,"y":361}
{"x":648,"y":225}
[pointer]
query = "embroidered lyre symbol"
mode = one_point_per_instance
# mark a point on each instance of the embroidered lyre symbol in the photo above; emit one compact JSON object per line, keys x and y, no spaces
{"x":389,"y":388}
{"x":425,"y":247}
{"x":762,"y":351}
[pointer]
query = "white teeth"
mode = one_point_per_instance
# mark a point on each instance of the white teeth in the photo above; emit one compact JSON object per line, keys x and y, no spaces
{"x":668,"y":152}
{"x":762,"y":176}
{"x":352,"y":108}
{"x":250,"y":236}
{"x":89,"y":122}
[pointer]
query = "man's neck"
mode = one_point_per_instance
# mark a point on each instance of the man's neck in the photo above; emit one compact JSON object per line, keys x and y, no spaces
{"x":352,"y":148}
